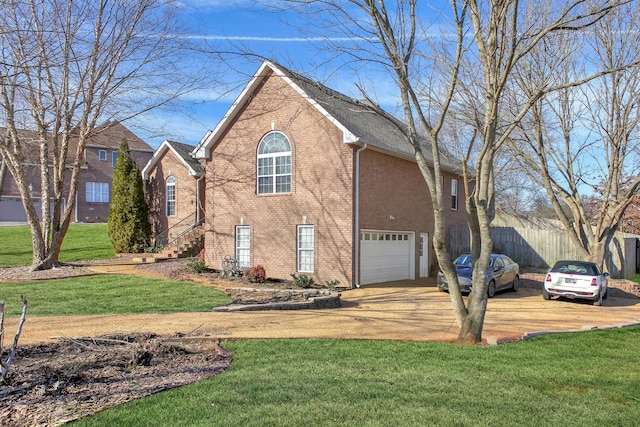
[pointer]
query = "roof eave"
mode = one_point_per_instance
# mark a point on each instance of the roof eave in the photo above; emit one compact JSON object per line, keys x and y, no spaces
{"x":166,"y":145}
{"x":151,"y":163}
{"x":404,"y":156}
{"x":203,"y":149}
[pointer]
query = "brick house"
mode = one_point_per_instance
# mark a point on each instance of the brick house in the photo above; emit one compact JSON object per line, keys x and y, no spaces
{"x":302,"y":179}
{"x":93,"y":199}
{"x":175,"y":190}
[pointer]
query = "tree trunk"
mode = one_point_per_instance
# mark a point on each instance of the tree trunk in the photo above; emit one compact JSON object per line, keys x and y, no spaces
{"x":3,"y":171}
{"x":471,"y":329}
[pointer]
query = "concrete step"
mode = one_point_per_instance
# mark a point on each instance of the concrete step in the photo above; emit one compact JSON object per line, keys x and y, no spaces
{"x":144,"y":260}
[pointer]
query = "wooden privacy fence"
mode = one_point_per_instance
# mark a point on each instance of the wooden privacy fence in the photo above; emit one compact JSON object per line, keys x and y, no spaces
{"x":541,"y":248}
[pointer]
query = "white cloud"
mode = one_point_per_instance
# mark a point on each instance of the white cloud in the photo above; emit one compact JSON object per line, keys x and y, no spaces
{"x":272,"y":39}
{"x":214,"y":4}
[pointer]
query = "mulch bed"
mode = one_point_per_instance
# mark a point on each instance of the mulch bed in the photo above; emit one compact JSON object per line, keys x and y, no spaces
{"x":52,"y":384}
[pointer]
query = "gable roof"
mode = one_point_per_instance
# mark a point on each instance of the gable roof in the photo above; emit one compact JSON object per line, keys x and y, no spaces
{"x":109,"y":135}
{"x":182,"y":151}
{"x":359,"y":122}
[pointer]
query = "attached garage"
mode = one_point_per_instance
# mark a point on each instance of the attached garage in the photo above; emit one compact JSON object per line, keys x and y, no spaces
{"x":386,"y":256}
{"x":11,"y":209}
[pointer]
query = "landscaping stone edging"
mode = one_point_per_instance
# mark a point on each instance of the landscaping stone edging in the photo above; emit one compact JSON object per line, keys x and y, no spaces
{"x":254,"y":299}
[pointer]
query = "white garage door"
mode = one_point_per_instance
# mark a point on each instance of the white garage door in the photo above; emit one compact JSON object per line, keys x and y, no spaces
{"x":386,"y":256}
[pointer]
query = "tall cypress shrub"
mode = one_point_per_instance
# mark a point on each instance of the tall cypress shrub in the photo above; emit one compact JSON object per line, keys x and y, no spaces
{"x":129,"y":226}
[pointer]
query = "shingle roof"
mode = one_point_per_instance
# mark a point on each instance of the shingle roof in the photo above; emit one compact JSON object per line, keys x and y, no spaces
{"x":110,"y":134}
{"x":184,"y":151}
{"x":107,"y":135}
{"x":358,"y":120}
{"x":385,"y":133}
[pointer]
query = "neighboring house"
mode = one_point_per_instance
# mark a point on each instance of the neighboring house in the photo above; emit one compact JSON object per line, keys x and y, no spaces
{"x":175,"y":189}
{"x":302,"y":179}
{"x":93,"y":198}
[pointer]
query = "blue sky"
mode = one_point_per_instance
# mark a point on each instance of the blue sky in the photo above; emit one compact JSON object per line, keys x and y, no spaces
{"x":287,"y":37}
{"x":233,"y":25}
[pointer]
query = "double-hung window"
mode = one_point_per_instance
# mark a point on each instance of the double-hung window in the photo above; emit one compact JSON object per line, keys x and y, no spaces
{"x":102,"y":155}
{"x":114,"y":158}
{"x":305,"y":248}
{"x":274,"y":164}
{"x":171,"y":196}
{"x":97,"y":192}
{"x":454,"y":194}
{"x":243,"y":246}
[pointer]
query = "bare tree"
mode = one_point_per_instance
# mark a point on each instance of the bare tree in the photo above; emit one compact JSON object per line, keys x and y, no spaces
{"x":468,"y":66}
{"x":581,"y":144}
{"x":65,"y":66}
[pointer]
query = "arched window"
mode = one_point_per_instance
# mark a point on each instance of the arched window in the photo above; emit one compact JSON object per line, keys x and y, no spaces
{"x":171,"y":196}
{"x":274,"y":164}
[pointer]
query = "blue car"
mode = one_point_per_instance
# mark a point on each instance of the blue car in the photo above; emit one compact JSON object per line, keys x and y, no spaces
{"x":503,"y":273}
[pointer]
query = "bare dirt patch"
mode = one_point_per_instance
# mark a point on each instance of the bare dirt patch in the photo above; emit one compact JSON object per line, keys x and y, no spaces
{"x":51,"y":384}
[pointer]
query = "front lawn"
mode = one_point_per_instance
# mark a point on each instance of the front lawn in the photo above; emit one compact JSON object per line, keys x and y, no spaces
{"x":109,"y":294}
{"x":82,"y":242}
{"x":580,"y":379}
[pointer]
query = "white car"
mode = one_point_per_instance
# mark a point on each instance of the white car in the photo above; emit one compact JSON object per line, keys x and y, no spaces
{"x":576,"y":279}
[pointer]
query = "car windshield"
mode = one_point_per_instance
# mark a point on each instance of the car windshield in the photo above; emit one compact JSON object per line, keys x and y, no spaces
{"x":466,"y":261}
{"x":463,"y":261}
{"x":575,"y":267}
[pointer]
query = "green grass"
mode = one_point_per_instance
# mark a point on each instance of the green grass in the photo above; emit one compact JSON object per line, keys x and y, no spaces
{"x":635,"y":278}
{"x":580,"y":379}
{"x":82,"y":242}
{"x":109,"y":294}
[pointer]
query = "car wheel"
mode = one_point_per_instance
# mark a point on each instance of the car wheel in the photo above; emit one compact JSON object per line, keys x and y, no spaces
{"x":545,"y":294}
{"x":598,"y":302}
{"x":491,"y":289}
{"x":515,"y":284}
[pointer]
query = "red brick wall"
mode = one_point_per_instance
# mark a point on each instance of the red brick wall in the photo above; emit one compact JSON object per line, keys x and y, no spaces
{"x":395,"y":197}
{"x":186,"y":194}
{"x":97,"y":170}
{"x":321,"y":191}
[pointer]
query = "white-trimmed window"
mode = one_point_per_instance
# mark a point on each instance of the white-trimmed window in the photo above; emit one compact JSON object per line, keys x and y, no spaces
{"x":454,"y":194}
{"x":114,"y":158}
{"x":97,"y":192}
{"x":243,"y":246}
{"x":102,"y":155}
{"x":305,"y":248}
{"x":274,"y":164}
{"x":171,"y":196}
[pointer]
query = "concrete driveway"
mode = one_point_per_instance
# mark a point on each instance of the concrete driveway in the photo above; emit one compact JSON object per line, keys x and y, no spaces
{"x":406,"y":310}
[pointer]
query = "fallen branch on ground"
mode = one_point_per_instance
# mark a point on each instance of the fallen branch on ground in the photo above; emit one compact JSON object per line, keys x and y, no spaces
{"x":6,"y":363}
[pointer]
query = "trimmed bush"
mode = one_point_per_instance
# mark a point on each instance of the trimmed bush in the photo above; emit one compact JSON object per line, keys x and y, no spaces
{"x":255,"y":274}
{"x":332,"y":283}
{"x":197,"y":266}
{"x":302,"y":281}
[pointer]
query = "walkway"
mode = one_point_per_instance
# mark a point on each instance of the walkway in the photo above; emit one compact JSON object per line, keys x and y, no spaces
{"x":406,"y":310}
